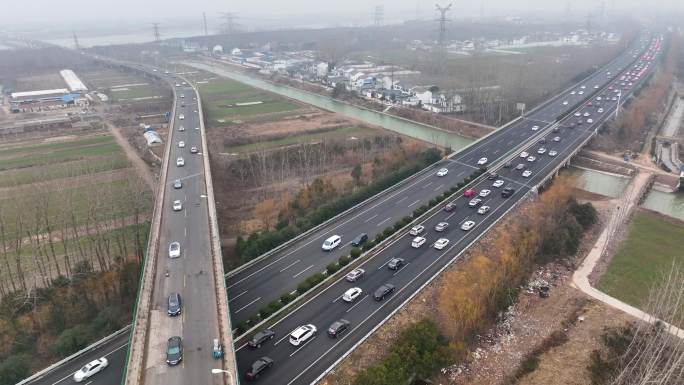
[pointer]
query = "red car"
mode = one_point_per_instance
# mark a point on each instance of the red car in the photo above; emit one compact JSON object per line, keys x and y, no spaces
{"x":471,"y":192}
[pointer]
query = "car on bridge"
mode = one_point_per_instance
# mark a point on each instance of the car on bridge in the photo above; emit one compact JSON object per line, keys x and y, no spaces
{"x":507,"y":192}
{"x":467,"y":225}
{"x":174,"y":250}
{"x":355,"y":275}
{"x":331,"y":243}
{"x":359,"y":240}
{"x":258,"y":367}
{"x":352,"y":294}
{"x":498,"y":183}
{"x":482,"y":161}
{"x":441,"y":243}
{"x":417,"y":242}
{"x":474,"y":202}
{"x":90,"y":369}
{"x":449,"y":207}
{"x":193,"y":150}
{"x":177,"y":184}
{"x":302,"y":334}
{"x":471,"y":192}
{"x":177,"y":205}
{"x":383,"y":291}
{"x":338,"y":327}
{"x":527,"y":173}
{"x":174,"y":351}
{"x":180,"y":162}
{"x":260,"y":338}
{"x":417,"y":229}
{"x":441,"y":226}
{"x":483,"y":210}
{"x":396,"y":263}
{"x":442,"y":172}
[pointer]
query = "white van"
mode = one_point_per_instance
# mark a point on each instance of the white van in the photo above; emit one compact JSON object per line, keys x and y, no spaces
{"x":332,"y":242}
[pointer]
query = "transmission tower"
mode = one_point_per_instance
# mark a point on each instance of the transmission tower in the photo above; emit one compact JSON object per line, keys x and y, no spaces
{"x":157,"y":38}
{"x":442,"y":26}
{"x":230,"y":24}
{"x":204,"y":16}
{"x":378,"y":13}
{"x":589,"y":22}
{"x":76,"y":45}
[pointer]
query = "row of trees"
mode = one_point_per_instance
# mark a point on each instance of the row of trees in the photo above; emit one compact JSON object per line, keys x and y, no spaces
{"x":45,"y":233}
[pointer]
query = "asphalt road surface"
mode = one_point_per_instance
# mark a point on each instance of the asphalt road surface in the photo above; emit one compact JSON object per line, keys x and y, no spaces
{"x":191,"y":273}
{"x":304,"y":364}
{"x":266,"y":280}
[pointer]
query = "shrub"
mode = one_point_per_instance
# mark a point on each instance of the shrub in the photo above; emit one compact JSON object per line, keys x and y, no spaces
{"x":387,"y":232}
{"x":14,"y":368}
{"x":241,"y":327}
{"x":344,"y":261}
{"x":303,"y":287}
{"x":368,"y":245}
{"x":398,"y":226}
{"x":255,"y":319}
{"x":379,"y":237}
{"x":287,"y":298}
{"x":355,"y":252}
{"x":467,"y":180}
{"x":332,"y":268}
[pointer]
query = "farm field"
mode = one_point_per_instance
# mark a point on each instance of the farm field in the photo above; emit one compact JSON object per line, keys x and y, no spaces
{"x":345,"y":133}
{"x":652,"y":245}
{"x":121,"y":86}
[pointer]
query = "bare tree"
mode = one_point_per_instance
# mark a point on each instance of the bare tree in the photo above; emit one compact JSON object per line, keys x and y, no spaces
{"x":655,"y":355}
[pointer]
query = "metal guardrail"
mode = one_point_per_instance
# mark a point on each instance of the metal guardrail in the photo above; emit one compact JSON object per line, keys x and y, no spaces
{"x":91,"y":347}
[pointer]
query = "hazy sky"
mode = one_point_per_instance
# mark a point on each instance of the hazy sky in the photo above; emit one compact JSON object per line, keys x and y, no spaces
{"x":83,"y":12}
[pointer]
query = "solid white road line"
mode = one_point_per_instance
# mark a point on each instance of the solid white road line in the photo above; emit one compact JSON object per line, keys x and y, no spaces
{"x":357,"y":303}
{"x":296,"y":275}
{"x":413,"y":203}
{"x":290,"y":265}
{"x":383,"y":221}
{"x":242,"y":308}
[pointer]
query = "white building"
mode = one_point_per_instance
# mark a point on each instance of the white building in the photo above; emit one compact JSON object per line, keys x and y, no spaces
{"x":73,"y":82}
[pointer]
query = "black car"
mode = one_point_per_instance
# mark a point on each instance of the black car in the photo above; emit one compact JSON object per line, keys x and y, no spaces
{"x":383,"y":291}
{"x":338,"y":327}
{"x":542,"y":141}
{"x":174,"y":351}
{"x":174,"y":304}
{"x":260,"y":338}
{"x":507,"y":192}
{"x":258,"y":367}
{"x":360,"y":239}
{"x":395,"y":263}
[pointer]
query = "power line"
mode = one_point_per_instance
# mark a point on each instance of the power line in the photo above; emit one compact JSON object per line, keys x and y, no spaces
{"x":230,"y":24}
{"x":378,"y":14}
{"x":442,"y":26}
{"x":157,"y":38}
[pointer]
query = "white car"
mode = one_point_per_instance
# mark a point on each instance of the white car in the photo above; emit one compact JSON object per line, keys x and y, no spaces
{"x":417,"y":229}
{"x":174,"y":250}
{"x":91,"y":368}
{"x":498,"y":183}
{"x":442,"y":172}
{"x":193,"y":150}
{"x":590,"y":121}
{"x":177,"y":205}
{"x":417,"y":242}
{"x":482,"y":161}
{"x":181,"y":144}
{"x":483,"y":210}
{"x":535,"y":128}
{"x":578,"y":113}
{"x":302,"y":334}
{"x":441,"y":243}
{"x":553,"y":153}
{"x":565,"y":102}
{"x":598,"y":98}
{"x":583,"y":87}
{"x":581,"y":92}
{"x":441,"y":226}
{"x":474,"y":202}
{"x":572,"y":92}
{"x":181,"y":128}
{"x":541,"y":151}
{"x":526,"y":173}
{"x":467,"y":225}
{"x":596,"y":87}
{"x":531,"y":158}
{"x":557,"y":138}
{"x":181,"y":116}
{"x":586,"y":114}
{"x":180,"y":162}
{"x":196,"y":128}
{"x":600,"y":110}
{"x":352,"y":294}
{"x":524,"y":154}
{"x":331,"y":243}
{"x":484,"y":193}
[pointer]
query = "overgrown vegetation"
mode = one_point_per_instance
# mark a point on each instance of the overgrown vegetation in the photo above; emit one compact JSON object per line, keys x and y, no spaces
{"x":45,"y":324}
{"x":419,"y":351}
{"x":321,"y":206}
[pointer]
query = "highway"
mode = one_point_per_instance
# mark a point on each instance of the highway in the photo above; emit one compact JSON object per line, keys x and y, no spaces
{"x":304,"y":364}
{"x":264,"y":279}
{"x":191,"y":273}
{"x":254,"y":286}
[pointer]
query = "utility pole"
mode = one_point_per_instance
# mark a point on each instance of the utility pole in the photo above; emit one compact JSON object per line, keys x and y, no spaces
{"x":76,"y":45}
{"x":156,"y":32}
{"x":230,"y":18}
{"x":589,"y":22}
{"x":378,"y":13}
{"x":442,"y":28}
{"x":204,"y":17}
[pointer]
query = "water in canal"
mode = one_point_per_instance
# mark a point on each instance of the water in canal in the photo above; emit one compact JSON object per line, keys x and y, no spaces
{"x":409,"y":128}
{"x":612,"y":185}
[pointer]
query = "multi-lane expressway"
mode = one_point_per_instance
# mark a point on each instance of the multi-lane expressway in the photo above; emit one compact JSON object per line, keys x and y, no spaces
{"x":266,"y":279}
{"x":257,"y":284}
{"x":305,"y":364}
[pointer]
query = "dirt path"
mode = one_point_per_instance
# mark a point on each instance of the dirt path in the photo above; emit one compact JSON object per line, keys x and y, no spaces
{"x":138,"y":163}
{"x":618,"y":220}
